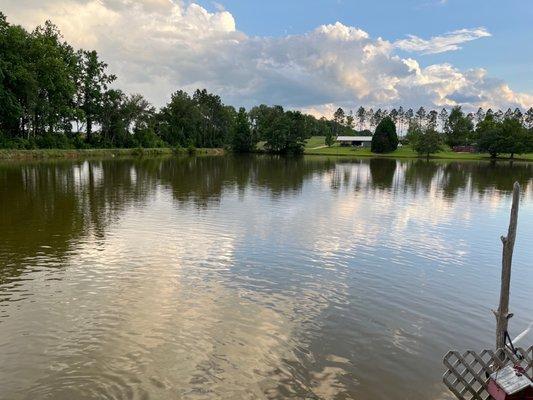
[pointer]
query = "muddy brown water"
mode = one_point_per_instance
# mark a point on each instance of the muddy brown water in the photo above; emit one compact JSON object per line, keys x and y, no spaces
{"x":252,"y":277}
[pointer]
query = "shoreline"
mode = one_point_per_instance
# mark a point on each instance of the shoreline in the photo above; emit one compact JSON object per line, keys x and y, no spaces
{"x":72,"y":154}
{"x":449,"y":156}
{"x":48,"y":154}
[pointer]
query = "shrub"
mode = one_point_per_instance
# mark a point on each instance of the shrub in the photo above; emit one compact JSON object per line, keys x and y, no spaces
{"x":330,"y":140}
{"x":138,"y":151}
{"x":385,"y":138}
{"x":191,"y":149}
{"x":54,"y":141}
{"x":147,"y":138}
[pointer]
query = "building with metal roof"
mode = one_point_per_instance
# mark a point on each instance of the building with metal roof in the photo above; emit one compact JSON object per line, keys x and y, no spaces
{"x":356,"y":141}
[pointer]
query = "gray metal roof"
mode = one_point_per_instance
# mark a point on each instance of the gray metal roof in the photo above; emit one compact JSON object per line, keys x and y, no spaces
{"x":354,"y":138}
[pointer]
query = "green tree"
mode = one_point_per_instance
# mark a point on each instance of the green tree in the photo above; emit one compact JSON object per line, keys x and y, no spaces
{"x":262,"y":117}
{"x":178,"y":121}
{"x":242,"y":140}
{"x":298,"y":133}
{"x":425,"y":142}
{"x":329,"y":140}
{"x":489,"y":137}
{"x":432,"y":119}
{"x":421,"y":116}
{"x":506,"y":137}
{"x":518,"y":115}
{"x":528,"y":118}
{"x":401,"y":119}
{"x":394,"y":116}
{"x":55,"y":67}
{"x":276,"y":135}
{"x":127,"y":121}
{"x":377,"y":117}
{"x":18,"y":82}
{"x":114,"y":125}
{"x":370,"y":118}
{"x":215,"y":122}
{"x":38,"y":73}
{"x":92,"y":84}
{"x":515,"y":137}
{"x":480,"y":115}
{"x":139,"y":116}
{"x":508,"y":114}
{"x":458,"y":129}
{"x":385,"y":138}
{"x":443,"y":118}
{"x":339,"y":119}
{"x":350,"y":120}
{"x":361,"y":117}
{"x":339,"y":116}
{"x":283,"y":131}
{"x":408,"y":116}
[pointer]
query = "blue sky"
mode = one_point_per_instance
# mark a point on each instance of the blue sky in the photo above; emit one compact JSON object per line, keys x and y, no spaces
{"x":309,"y":55}
{"x":508,"y":54}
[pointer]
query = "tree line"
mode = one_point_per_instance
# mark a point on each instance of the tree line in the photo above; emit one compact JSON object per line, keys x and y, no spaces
{"x":55,"y":96}
{"x":490,"y":132}
{"x":493,"y":132}
{"x":368,"y":119}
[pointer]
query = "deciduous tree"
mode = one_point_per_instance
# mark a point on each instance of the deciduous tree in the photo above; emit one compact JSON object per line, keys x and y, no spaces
{"x":458,"y":129}
{"x":242,"y":140}
{"x":93,"y":82}
{"x":425,"y":141}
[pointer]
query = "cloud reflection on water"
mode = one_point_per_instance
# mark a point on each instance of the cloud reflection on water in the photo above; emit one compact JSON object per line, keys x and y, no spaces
{"x":244,"y":278}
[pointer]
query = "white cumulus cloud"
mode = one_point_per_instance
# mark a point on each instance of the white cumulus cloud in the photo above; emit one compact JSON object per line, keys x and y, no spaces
{"x":159,"y":46}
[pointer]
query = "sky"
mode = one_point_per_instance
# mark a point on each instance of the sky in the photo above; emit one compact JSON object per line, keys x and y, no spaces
{"x":312,"y":55}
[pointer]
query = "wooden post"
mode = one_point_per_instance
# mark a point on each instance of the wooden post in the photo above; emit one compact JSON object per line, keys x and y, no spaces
{"x":502,"y":315}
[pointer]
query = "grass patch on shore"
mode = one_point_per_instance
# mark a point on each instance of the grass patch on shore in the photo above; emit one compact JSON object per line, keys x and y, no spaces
{"x":401,"y":152}
{"x":313,"y":147}
{"x":315,"y":141}
{"x":11,"y":154}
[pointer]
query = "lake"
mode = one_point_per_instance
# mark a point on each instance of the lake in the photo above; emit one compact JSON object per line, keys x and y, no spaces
{"x":252,"y":277}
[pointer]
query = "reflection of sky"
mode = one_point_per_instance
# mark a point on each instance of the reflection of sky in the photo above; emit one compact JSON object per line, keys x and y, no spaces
{"x":338,"y":288}
{"x":410,"y":254}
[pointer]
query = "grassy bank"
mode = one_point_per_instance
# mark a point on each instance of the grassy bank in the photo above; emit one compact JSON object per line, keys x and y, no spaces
{"x":10,"y":154}
{"x":315,"y":147}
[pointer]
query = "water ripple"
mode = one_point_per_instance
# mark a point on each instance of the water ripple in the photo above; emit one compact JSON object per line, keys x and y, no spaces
{"x":249,"y":278}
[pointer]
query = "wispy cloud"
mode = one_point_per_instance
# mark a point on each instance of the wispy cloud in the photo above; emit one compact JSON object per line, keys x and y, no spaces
{"x":450,"y":41}
{"x":218,"y":6}
{"x":431,"y":4}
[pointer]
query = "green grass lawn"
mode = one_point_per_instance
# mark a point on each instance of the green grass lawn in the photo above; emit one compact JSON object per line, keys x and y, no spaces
{"x":315,"y":141}
{"x":401,"y":152}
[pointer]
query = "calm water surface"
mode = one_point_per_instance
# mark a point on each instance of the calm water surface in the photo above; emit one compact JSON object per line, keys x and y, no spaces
{"x":251,"y":278}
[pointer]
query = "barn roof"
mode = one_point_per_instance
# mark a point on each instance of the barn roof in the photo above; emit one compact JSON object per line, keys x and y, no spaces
{"x":354,"y":138}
